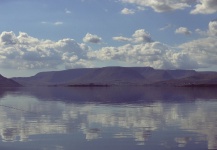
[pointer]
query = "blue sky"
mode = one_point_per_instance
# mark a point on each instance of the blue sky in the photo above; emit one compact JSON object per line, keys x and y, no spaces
{"x":42,"y":35}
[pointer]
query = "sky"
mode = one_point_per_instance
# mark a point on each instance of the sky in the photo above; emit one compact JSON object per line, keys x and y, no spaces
{"x":45,"y":35}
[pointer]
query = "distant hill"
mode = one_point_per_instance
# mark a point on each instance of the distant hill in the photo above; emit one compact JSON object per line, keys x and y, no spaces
{"x":200,"y":79}
{"x":52,"y":77}
{"x":109,"y":76}
{"x":4,"y":82}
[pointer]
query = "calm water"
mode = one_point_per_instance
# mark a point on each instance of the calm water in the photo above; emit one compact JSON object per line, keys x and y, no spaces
{"x":108,"y":118}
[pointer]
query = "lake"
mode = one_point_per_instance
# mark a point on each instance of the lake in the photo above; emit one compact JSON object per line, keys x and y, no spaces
{"x":109,"y":118}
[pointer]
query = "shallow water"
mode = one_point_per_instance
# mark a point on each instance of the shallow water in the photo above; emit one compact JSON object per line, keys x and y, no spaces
{"x":108,"y":118}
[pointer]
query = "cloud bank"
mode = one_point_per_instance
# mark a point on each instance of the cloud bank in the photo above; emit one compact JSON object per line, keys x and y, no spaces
{"x":200,"y":53}
{"x":161,"y":5}
{"x":26,"y":52}
{"x":199,"y":6}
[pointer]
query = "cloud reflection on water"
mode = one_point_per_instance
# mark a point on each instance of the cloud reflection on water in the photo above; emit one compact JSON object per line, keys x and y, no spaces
{"x":122,"y":119}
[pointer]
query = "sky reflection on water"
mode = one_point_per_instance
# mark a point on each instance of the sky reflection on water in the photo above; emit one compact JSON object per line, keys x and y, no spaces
{"x":64,"y":118}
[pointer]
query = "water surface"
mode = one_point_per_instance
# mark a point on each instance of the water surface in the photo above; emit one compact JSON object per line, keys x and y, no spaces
{"x":108,"y":118}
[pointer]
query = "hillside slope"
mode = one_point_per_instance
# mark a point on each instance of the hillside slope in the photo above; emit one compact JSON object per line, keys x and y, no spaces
{"x":196,"y":80}
{"x":106,"y":75}
{"x":5,"y":82}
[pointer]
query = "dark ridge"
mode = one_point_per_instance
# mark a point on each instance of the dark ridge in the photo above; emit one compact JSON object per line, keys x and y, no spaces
{"x":115,"y":76}
{"x":88,"y":85}
{"x":110,"y":75}
{"x":5,"y":82}
{"x":200,"y":85}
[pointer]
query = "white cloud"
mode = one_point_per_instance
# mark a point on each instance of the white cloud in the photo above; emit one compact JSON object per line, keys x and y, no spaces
{"x":78,"y":63}
{"x":92,"y":38}
{"x":26,"y":52}
{"x":161,"y":5}
{"x":196,"y":54}
{"x":205,"y":7}
{"x":210,"y":32}
{"x":141,"y":36}
{"x":127,"y":11}
{"x":122,"y":39}
{"x":202,"y":50}
{"x":153,"y":54}
{"x":58,"y":23}
{"x":183,"y":30}
{"x":200,"y":6}
{"x":213,"y":28}
{"x":8,"y":38}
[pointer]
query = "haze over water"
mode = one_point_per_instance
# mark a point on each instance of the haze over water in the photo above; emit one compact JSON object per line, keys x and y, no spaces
{"x":108,"y":118}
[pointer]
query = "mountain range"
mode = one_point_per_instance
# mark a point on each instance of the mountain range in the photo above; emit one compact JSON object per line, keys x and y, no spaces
{"x":116,"y":76}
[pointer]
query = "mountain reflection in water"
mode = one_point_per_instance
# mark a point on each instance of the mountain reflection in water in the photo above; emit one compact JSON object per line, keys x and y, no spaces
{"x":129,"y":118}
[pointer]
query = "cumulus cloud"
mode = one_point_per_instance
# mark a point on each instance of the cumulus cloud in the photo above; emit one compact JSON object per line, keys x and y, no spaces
{"x":26,"y":52}
{"x":139,"y":36}
{"x":142,"y":36}
{"x":195,"y":54}
{"x":153,"y":54}
{"x":205,"y":7}
{"x":200,"y":6}
{"x":213,"y":28}
{"x":183,"y":30}
{"x":161,"y":5}
{"x":122,"y":39}
{"x":91,"y":38}
{"x":127,"y":11}
{"x":211,"y":31}
{"x":202,"y":50}
{"x":8,"y":38}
